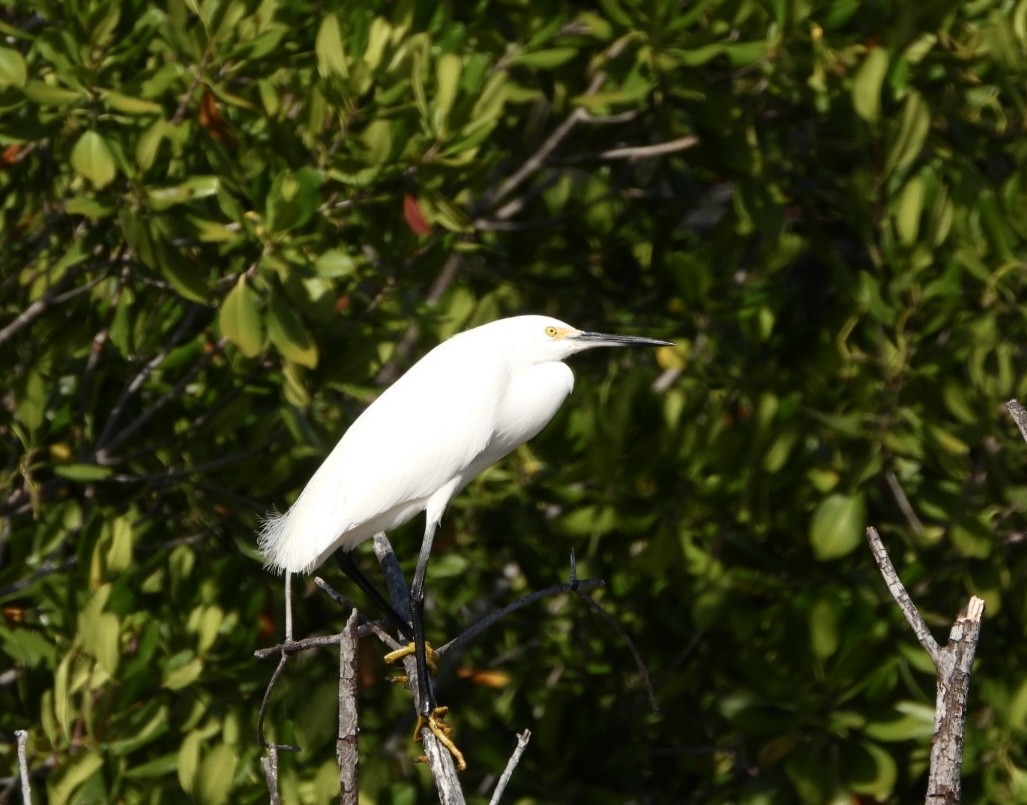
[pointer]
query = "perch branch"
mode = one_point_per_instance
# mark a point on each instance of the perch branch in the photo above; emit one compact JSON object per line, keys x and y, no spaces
{"x":269,"y":763}
{"x":346,"y":745}
{"x":952,"y":665}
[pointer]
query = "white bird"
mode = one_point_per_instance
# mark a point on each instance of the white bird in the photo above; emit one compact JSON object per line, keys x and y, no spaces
{"x":466,"y":404}
{"x":461,"y":408}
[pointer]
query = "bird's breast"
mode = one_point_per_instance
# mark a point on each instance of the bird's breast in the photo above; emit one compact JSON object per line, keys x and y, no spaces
{"x":533,"y":396}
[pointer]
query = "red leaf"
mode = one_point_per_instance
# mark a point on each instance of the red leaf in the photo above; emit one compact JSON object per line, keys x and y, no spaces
{"x":414,"y":217}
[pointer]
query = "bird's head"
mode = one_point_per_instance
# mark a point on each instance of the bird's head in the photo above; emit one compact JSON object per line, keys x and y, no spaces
{"x":541,"y":338}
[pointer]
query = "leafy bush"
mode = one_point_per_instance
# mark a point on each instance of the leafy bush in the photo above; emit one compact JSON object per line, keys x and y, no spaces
{"x":226,"y":224}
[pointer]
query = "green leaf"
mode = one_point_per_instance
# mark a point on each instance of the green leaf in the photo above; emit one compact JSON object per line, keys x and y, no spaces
{"x":448,"y":71}
{"x":870,"y":769}
{"x":911,"y":134}
{"x":48,"y":95}
{"x":182,"y":273}
{"x":289,"y":333}
{"x":240,"y":318}
{"x":119,"y":555}
{"x":183,"y":675}
{"x":836,"y":528}
{"x":329,"y":48}
{"x":823,"y":626}
{"x":377,"y":39}
{"x":544,"y":59}
{"x":335,"y":263}
{"x":13,"y":71}
{"x":27,"y":648}
{"x":867,"y":84}
{"x":92,"y":158}
{"x":100,"y":630}
{"x":207,"y":627}
{"x":908,"y":209}
{"x":293,"y":198}
{"x":189,"y":761}
{"x":216,"y":775}
{"x":82,"y":472}
{"x":129,"y":105}
{"x":76,"y":771}
{"x":30,"y":403}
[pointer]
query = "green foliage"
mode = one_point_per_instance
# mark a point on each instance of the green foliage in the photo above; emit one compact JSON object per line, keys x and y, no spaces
{"x":224,"y":224}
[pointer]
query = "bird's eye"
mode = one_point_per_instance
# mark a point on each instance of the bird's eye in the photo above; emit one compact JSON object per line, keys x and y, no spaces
{"x":551,"y":331}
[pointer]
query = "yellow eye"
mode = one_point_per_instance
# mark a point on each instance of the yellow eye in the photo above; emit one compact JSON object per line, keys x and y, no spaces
{"x":551,"y":331}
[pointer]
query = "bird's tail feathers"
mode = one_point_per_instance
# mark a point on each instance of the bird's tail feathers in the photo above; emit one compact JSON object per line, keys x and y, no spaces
{"x":271,"y":539}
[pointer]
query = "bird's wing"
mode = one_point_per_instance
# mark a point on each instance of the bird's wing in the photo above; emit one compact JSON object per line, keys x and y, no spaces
{"x":431,"y":425}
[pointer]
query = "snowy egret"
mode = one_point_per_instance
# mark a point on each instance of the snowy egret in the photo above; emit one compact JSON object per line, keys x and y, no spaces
{"x":470,"y":401}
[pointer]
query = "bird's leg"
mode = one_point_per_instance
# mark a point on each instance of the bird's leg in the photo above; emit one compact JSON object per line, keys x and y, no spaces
{"x":431,"y":715}
{"x":349,"y":567}
{"x":426,"y":694}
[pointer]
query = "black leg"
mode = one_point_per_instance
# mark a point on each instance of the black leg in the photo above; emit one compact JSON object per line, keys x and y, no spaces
{"x":425,"y":692}
{"x":349,"y":567}
{"x":427,"y":695}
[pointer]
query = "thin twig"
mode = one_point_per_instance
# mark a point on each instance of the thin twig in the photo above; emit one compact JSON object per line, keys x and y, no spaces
{"x":535,"y":162}
{"x":346,"y":748}
{"x":898,"y":591}
{"x":23,"y":766}
{"x":472,"y":632}
{"x":639,"y":662}
{"x":141,"y":376}
{"x":634,"y":152}
{"x":904,"y":505}
{"x":511,"y":764}
{"x":45,"y":302}
{"x":278,"y":674}
{"x":296,"y":646}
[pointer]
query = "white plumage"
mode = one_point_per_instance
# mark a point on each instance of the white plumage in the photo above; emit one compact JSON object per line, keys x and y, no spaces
{"x":462,"y":407}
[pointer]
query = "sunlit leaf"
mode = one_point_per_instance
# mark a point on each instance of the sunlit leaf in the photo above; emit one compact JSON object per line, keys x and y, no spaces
{"x":837,"y":526}
{"x":240,"y":318}
{"x":13,"y":71}
{"x":93,"y":159}
{"x":867,"y":84}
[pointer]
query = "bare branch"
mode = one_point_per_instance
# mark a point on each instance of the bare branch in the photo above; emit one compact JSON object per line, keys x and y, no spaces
{"x":442,"y":767}
{"x":535,"y":162}
{"x":346,"y":749}
{"x":511,"y":764}
{"x":944,"y":784}
{"x":48,"y":300}
{"x":898,"y":591}
{"x":23,"y":766}
{"x":269,"y":763}
{"x":1019,"y":415}
{"x":952,"y":671}
{"x":635,"y":152}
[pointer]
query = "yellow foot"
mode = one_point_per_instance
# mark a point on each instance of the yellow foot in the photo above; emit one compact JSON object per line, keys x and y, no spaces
{"x":441,"y":730}
{"x":429,"y":654}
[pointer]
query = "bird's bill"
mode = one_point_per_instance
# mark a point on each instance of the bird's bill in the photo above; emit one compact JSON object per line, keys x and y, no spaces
{"x":605,"y":340}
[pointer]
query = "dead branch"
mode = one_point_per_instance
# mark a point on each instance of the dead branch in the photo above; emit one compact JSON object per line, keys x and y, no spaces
{"x":511,"y":764}
{"x":952,"y":664}
{"x":346,"y":745}
{"x":23,"y":765}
